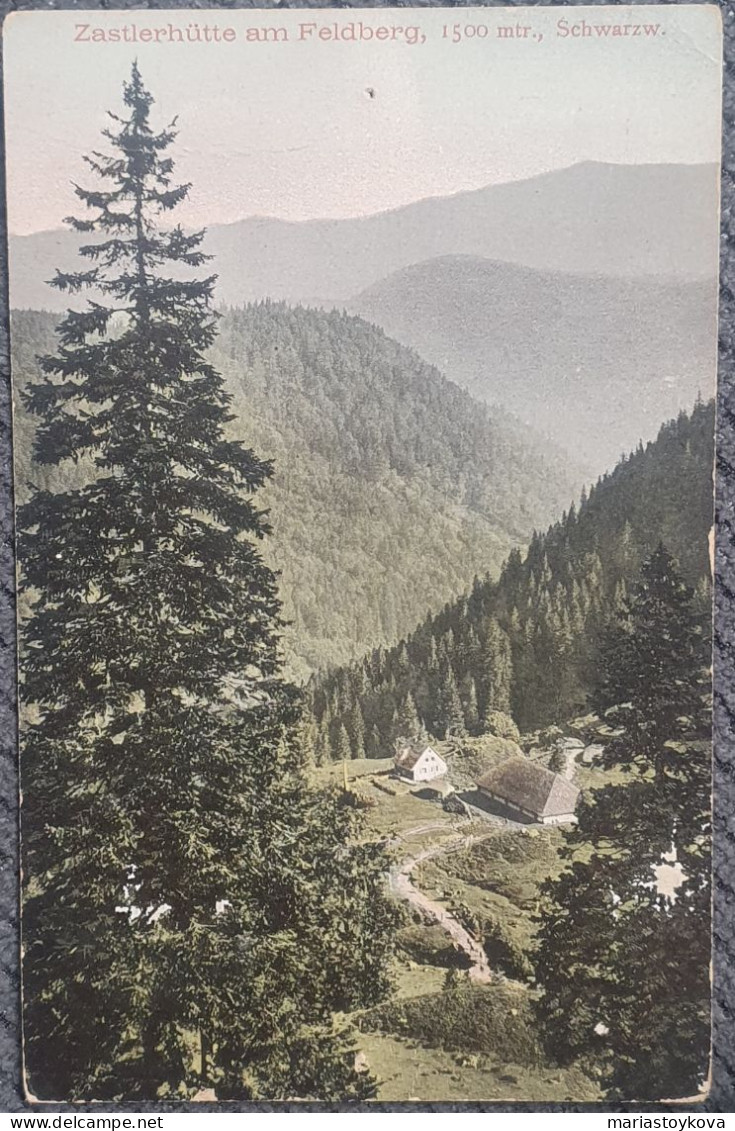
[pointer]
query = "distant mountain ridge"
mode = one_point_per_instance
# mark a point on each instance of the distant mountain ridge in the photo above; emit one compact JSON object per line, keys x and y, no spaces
{"x":392,"y":486}
{"x":595,"y":362}
{"x":596,"y":218}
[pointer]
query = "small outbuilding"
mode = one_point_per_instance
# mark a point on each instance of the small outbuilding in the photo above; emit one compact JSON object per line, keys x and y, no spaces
{"x":530,"y":792}
{"x":418,"y":762}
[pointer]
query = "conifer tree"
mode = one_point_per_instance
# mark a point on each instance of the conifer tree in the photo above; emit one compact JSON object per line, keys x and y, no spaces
{"x":374,"y":745}
{"x":188,"y":897}
{"x":342,"y":744}
{"x":624,"y":966}
{"x":307,"y":737}
{"x":357,"y":731}
{"x":495,"y":669}
{"x":408,"y":723}
{"x":451,"y":715}
{"x":471,"y":717}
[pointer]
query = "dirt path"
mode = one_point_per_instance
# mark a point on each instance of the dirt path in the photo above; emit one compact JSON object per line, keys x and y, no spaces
{"x":404,"y":887}
{"x":418,"y":829}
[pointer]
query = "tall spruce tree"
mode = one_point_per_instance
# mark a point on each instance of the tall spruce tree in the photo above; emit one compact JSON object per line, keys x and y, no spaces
{"x":449,"y":706}
{"x":624,"y":964}
{"x":194,"y":913}
{"x":407,"y":723}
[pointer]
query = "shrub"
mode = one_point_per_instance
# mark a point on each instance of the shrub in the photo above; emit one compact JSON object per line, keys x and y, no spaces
{"x":550,"y":736}
{"x":557,"y":761}
{"x":430,"y":947}
{"x":495,"y":1020}
{"x":469,"y":919}
{"x":501,"y":725}
{"x":504,"y":953}
{"x":475,"y":756}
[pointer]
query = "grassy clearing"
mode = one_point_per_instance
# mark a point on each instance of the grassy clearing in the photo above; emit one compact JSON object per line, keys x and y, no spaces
{"x":432,"y":1041}
{"x":418,"y":1067}
{"x":594,"y":777}
{"x":356,"y":768}
{"x":406,"y":1071}
{"x":496,"y":882}
{"x":415,"y":979}
{"x":401,"y":814}
{"x":393,"y":810}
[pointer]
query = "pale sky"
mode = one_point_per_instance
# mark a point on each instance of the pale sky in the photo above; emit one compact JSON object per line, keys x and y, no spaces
{"x":288,"y":129}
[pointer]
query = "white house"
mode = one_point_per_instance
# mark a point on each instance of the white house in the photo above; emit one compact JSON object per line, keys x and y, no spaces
{"x":418,"y":762}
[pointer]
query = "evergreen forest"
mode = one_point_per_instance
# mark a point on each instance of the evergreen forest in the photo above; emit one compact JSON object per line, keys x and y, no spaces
{"x":529,"y":642}
{"x":391,"y":489}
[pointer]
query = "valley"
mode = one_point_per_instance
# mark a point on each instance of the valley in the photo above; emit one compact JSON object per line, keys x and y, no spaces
{"x":593,"y":362}
{"x":530,"y":643}
{"x":392,"y":487}
{"x":395,"y":492}
{"x":521,"y":645}
{"x":581,"y":301}
{"x":475,"y":877}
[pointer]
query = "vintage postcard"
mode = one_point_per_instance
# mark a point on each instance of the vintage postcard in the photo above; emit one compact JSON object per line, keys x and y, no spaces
{"x":364,"y":365}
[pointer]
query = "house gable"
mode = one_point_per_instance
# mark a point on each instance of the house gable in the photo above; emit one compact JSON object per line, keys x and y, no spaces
{"x":420,"y":763}
{"x":429,"y":764}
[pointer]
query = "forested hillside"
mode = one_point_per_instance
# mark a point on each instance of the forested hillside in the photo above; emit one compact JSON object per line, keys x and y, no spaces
{"x":641,"y":347}
{"x":392,"y":486}
{"x":528,"y":643}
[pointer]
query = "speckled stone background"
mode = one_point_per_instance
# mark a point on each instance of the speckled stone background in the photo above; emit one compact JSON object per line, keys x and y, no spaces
{"x":722,"y":1095}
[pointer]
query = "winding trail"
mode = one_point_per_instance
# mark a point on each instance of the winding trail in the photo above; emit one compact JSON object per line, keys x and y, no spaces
{"x":403,"y":886}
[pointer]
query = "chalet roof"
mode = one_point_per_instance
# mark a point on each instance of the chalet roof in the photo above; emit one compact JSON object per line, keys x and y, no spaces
{"x":408,"y":755}
{"x":533,"y":787}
